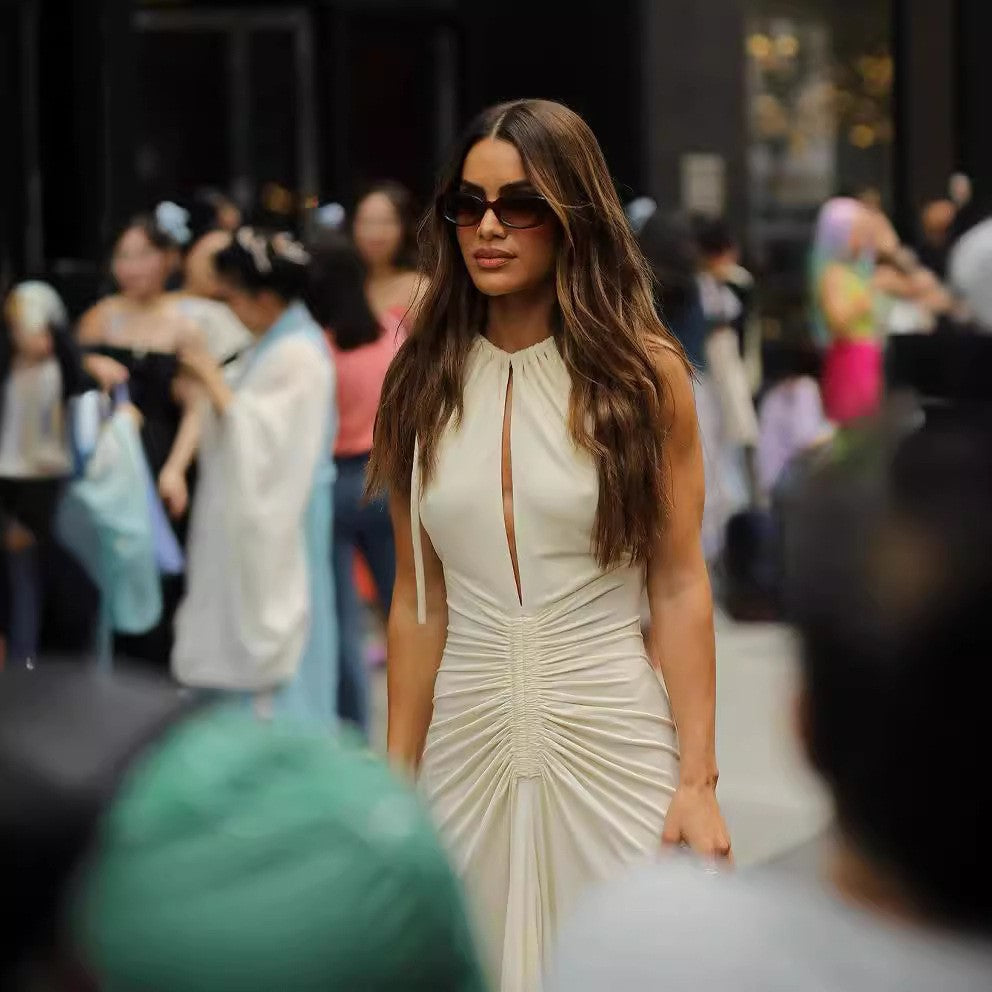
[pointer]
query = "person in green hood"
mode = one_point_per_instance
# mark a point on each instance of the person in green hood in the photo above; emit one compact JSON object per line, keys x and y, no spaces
{"x":148,"y":845}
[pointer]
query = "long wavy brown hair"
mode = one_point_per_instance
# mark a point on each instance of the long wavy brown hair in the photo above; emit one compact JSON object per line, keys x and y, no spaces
{"x":605,"y":326}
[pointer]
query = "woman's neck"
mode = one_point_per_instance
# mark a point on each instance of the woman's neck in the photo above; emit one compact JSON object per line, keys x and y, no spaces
{"x":382,"y":271}
{"x":519,"y":320}
{"x":275,"y":314}
{"x":144,"y":302}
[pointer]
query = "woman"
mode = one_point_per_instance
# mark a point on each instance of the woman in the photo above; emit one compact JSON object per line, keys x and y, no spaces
{"x":133,"y":336}
{"x":363,"y":348}
{"x":198,"y":301}
{"x":538,"y":441}
{"x":384,"y":234}
{"x":37,"y":374}
{"x":258,"y":614}
{"x":844,"y":309}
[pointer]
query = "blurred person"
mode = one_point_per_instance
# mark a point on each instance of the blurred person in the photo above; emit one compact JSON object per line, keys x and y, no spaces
{"x":258,"y":616}
{"x":911,"y":297}
{"x":363,"y":347}
{"x":384,"y":232}
{"x":721,"y":266}
{"x":888,"y":579}
{"x":149,"y":844}
{"x":132,"y":337}
{"x":936,"y":221}
{"x":537,"y":438}
{"x":728,"y":424}
{"x":790,"y":415}
{"x":970,"y":273}
{"x":871,"y":197}
{"x":37,"y":375}
{"x":639,"y":210}
{"x":668,"y":244}
{"x":842,"y":268}
{"x":214,"y":210}
{"x":970,"y":209}
{"x":198,"y":300}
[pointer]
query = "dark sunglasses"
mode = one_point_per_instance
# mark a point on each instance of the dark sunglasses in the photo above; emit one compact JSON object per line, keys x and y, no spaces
{"x":517,"y":210}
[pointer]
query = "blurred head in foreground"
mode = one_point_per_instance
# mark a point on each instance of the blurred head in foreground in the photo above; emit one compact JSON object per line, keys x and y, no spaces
{"x":148,"y":847}
{"x":888,"y":556}
{"x":889,"y":580}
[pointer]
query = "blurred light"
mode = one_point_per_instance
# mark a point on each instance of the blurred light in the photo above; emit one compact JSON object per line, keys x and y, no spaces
{"x":311,"y":203}
{"x":787,"y":45}
{"x":277,"y":199}
{"x":862,"y":136}
{"x":759,"y":46}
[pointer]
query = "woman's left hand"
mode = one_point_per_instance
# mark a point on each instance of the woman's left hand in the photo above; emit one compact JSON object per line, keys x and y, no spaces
{"x":694,"y":819}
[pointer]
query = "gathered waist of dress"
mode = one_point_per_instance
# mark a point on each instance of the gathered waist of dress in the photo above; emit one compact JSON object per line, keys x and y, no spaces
{"x":606,"y":609}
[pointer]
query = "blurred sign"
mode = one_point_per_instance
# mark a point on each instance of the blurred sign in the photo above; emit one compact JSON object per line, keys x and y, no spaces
{"x":704,"y":184}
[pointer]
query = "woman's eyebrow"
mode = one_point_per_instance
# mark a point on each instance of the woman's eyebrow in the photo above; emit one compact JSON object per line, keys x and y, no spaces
{"x":520,"y":184}
{"x":471,"y":188}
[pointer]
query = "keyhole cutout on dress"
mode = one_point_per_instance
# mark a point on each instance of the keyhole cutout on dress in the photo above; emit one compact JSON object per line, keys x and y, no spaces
{"x":507,"y":485}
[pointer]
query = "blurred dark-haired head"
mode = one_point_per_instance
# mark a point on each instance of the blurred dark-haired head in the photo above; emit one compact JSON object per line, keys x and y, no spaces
{"x":260,"y":274}
{"x":713,"y":236}
{"x":670,"y":247}
{"x":384,"y":226}
{"x":213,"y":210}
{"x":888,"y":557}
{"x":337,"y":293}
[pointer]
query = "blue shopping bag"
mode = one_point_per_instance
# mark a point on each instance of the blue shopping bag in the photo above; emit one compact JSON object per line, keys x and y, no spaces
{"x":104,"y":520}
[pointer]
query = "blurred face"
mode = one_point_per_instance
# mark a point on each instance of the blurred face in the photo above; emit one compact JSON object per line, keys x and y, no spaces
{"x":504,"y":259}
{"x":140,"y":269}
{"x":378,"y":230}
{"x":870,"y":234}
{"x":228,"y":216}
{"x":257,"y":311}
{"x":937,"y":219}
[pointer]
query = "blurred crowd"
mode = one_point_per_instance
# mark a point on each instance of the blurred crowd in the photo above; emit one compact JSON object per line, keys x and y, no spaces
{"x":169,"y":309}
{"x":150,"y":841}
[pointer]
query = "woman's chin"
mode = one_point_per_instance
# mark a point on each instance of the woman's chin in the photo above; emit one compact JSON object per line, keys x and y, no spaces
{"x":496,"y":283}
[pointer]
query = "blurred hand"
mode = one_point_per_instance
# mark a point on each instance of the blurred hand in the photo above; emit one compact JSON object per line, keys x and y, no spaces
{"x":107,"y":372}
{"x":694,"y":819}
{"x":174,"y":492}
{"x":134,"y":413}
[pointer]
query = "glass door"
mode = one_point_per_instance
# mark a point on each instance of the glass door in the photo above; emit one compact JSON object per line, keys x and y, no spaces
{"x":226,"y":100}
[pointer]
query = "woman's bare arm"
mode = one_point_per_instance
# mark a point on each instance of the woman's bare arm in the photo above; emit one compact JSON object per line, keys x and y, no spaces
{"x":682,"y":625}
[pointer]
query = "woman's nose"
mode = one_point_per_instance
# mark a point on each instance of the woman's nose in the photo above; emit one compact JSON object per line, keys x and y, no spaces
{"x":489,"y":226}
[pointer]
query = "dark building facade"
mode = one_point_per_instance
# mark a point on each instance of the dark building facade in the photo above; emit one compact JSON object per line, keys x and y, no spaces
{"x":756,"y":108}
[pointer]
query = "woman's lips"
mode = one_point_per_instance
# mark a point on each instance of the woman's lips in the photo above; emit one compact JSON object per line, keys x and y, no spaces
{"x":492,"y":258}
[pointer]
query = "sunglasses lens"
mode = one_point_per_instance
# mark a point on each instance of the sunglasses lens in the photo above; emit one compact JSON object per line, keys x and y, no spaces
{"x":523,"y":211}
{"x":463,"y":209}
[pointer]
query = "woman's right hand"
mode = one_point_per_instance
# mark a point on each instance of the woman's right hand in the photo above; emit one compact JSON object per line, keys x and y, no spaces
{"x":174,"y":491}
{"x":107,"y":372}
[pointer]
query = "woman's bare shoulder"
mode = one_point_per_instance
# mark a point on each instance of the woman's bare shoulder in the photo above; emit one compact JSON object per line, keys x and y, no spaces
{"x":93,"y":323}
{"x":674,"y":375}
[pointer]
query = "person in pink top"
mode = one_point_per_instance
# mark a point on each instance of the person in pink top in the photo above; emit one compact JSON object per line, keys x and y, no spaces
{"x":363,"y":346}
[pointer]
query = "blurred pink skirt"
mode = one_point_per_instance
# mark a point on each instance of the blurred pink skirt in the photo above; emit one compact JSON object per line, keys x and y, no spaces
{"x":852,"y":380}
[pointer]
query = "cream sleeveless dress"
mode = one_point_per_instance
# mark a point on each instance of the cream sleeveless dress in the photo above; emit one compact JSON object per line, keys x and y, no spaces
{"x":552,"y":756}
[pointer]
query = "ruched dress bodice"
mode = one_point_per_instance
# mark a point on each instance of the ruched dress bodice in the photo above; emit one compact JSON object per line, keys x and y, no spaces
{"x":551,"y":757}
